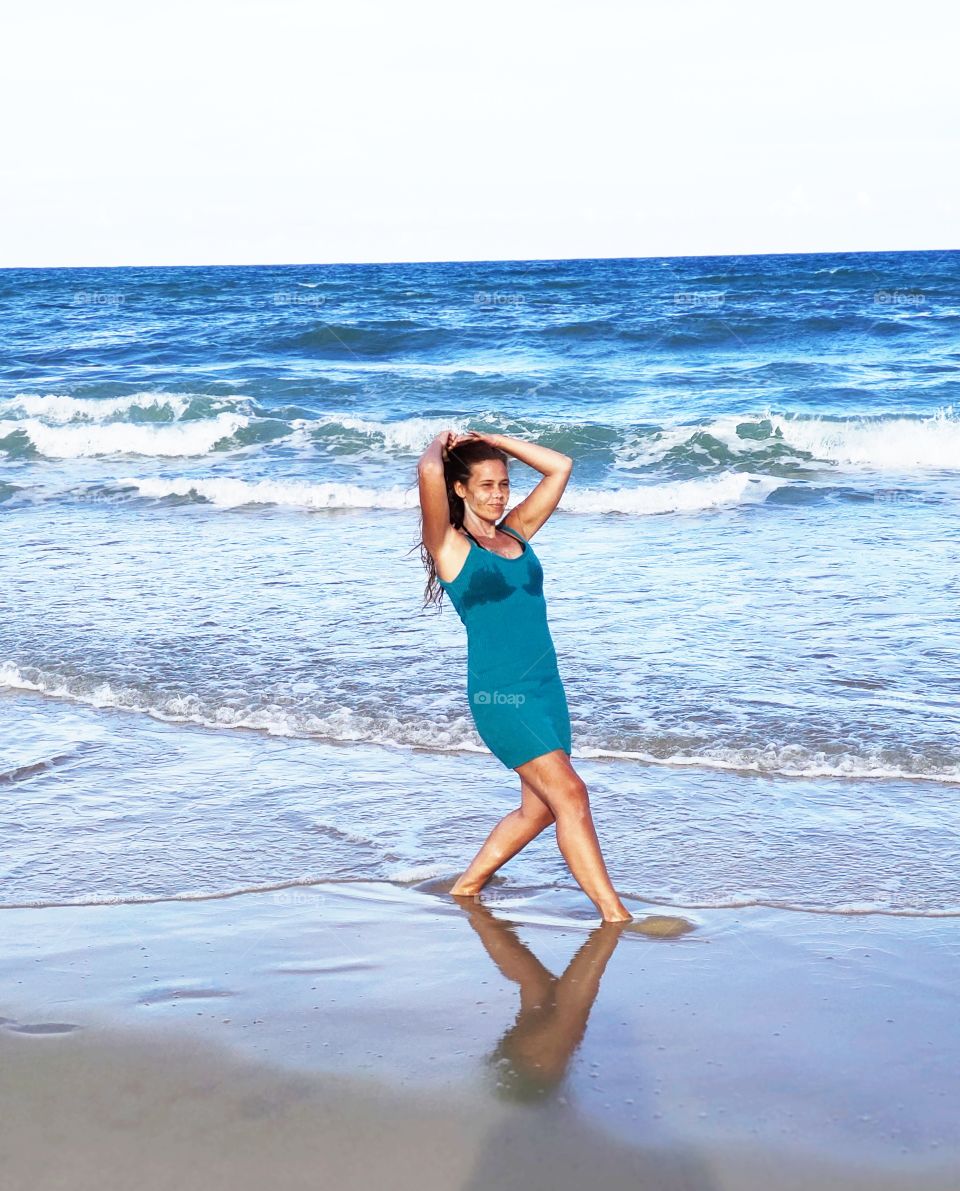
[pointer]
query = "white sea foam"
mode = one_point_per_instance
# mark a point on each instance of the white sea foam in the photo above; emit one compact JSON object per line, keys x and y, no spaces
{"x":878,"y":443}
{"x":343,"y":725}
{"x":682,"y":496}
{"x":64,"y":427}
{"x":409,"y":434}
{"x":883,"y":443}
{"x":229,"y":493}
{"x":786,"y":761}
{"x":58,"y":408}
{"x":72,"y":441}
{"x":892,"y":444}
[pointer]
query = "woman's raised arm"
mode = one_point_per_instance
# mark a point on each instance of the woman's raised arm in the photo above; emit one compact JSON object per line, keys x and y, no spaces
{"x":434,"y":504}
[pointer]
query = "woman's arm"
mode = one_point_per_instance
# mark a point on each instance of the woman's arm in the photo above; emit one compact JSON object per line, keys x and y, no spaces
{"x":542,"y":459}
{"x":433,"y":492}
{"x":433,"y":455}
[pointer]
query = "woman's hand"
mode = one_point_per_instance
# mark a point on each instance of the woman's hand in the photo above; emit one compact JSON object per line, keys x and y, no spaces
{"x":447,"y":440}
{"x":477,"y":436}
{"x":435,"y":454}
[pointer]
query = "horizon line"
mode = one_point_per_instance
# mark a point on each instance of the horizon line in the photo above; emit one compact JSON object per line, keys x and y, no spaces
{"x":481,"y":260}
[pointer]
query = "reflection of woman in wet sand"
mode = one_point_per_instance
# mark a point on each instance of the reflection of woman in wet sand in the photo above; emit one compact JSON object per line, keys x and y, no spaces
{"x":533,"y":1054}
{"x":558,"y":1147}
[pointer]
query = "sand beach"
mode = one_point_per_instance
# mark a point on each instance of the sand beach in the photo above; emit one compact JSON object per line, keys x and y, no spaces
{"x":359,"y":1033}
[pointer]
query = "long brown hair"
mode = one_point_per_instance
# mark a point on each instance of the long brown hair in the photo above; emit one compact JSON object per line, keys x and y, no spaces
{"x":457,"y":465}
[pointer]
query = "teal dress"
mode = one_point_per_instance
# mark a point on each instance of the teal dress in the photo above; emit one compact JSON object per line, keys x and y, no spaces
{"x":516,"y":695}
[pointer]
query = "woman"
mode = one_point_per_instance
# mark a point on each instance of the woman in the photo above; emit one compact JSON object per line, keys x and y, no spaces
{"x":517,"y":700}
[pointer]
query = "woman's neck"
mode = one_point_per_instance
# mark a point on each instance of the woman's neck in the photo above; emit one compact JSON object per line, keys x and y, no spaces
{"x":480,"y":529}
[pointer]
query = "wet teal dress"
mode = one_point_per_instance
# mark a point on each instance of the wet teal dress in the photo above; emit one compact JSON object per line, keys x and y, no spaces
{"x":516,"y":695}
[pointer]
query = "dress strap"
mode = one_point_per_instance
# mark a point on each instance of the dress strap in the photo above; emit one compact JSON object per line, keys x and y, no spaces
{"x":505,"y":528}
{"x":513,"y":532}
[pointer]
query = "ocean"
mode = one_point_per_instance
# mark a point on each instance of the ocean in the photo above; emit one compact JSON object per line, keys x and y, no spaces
{"x":216,"y":672}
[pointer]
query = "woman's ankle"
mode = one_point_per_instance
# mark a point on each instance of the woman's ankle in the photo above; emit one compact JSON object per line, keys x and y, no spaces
{"x":615,"y":912}
{"x":462,"y":888}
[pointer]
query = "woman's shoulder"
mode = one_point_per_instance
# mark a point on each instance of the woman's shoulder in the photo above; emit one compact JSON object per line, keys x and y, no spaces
{"x":510,"y":527}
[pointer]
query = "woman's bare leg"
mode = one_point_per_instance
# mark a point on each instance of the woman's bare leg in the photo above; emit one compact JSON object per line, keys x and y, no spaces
{"x":558,"y":784}
{"x":513,"y":832}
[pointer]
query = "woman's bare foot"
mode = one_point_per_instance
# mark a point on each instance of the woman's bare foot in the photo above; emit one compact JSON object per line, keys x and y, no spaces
{"x":615,"y":911}
{"x":463,"y":888}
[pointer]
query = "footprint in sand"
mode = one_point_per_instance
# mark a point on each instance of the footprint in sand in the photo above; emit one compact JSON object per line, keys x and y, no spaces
{"x":158,"y":996}
{"x":43,"y":1027}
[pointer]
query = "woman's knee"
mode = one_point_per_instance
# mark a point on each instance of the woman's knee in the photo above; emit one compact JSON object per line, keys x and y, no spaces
{"x":575,"y":798}
{"x":558,"y":786}
{"x":568,"y":796}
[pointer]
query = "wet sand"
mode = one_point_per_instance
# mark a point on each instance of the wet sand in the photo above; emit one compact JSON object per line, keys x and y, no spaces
{"x":363,"y":1034}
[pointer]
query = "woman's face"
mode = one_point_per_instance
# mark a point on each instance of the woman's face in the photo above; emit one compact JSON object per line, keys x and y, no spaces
{"x":487,"y":491}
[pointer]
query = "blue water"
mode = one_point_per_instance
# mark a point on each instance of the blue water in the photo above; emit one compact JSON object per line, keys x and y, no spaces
{"x":215,"y":671}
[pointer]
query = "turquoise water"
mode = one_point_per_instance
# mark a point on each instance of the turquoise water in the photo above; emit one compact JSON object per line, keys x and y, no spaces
{"x":215,"y":671}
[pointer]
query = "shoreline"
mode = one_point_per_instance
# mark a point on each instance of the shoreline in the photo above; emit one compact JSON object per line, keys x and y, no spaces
{"x":760,"y":1045}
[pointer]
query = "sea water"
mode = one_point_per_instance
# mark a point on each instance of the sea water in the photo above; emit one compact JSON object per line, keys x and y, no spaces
{"x":216,"y":672}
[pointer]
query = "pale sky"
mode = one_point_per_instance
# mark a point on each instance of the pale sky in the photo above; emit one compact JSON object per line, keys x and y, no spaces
{"x":287,"y":131}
